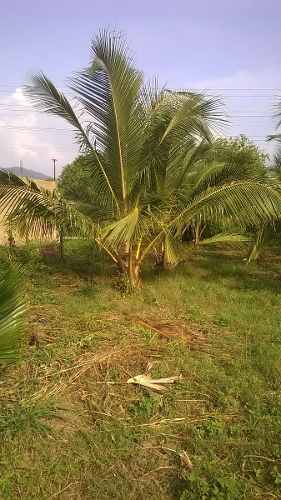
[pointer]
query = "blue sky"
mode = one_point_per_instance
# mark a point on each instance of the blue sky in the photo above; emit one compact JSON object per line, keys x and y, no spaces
{"x":229,"y":48}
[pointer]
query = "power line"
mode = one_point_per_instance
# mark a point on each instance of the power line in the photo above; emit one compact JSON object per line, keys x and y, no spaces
{"x":43,"y":129}
{"x":35,"y":129}
{"x":191,"y":87}
{"x":227,"y":112}
{"x":24,"y":109}
{"x":207,"y":92}
{"x":246,"y":91}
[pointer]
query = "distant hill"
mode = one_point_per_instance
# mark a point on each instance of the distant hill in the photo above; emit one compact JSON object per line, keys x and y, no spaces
{"x":26,"y":172}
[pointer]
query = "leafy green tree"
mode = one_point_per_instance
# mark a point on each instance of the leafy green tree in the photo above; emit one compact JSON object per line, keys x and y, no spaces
{"x":77,"y":184}
{"x":243,"y":151}
{"x":76,"y":181}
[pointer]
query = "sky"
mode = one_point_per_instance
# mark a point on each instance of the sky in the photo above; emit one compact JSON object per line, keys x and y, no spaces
{"x":225,"y":47}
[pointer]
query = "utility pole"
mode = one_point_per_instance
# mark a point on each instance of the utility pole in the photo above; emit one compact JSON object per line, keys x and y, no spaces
{"x":21,"y":169}
{"x":54,"y":168}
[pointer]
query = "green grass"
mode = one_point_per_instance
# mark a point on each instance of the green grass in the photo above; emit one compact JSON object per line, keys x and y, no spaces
{"x":72,"y":428}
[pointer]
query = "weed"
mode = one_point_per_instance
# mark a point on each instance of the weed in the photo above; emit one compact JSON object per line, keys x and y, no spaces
{"x":23,"y":418}
{"x":210,"y":487}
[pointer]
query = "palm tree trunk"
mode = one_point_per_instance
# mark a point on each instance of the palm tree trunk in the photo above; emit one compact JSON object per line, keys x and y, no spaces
{"x":129,"y":266}
{"x":160,"y":256}
{"x":198,"y":230}
{"x":61,"y":243}
{"x":162,"y":261}
{"x":134,"y":270}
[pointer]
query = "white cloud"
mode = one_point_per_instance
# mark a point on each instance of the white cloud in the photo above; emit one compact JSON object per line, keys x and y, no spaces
{"x":22,"y":136}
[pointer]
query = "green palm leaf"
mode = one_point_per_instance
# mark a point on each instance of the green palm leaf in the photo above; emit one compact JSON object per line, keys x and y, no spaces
{"x":47,"y":98}
{"x":226,"y":239}
{"x":122,"y":231}
{"x":38,"y":213}
{"x":11,"y":316}
{"x":244,"y":202}
{"x":109,"y":91}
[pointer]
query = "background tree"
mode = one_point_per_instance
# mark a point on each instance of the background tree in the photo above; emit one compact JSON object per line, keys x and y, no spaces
{"x":76,"y":181}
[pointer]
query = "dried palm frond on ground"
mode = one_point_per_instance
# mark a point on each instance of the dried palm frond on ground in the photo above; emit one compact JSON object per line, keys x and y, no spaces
{"x":153,"y":384}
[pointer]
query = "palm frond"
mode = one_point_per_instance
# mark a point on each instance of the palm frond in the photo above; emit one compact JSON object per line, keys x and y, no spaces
{"x":194,"y":113}
{"x":44,"y":216}
{"x":259,"y":241}
{"x":243,"y":202}
{"x":11,"y":315}
{"x":38,"y":213}
{"x":172,"y":249}
{"x":122,"y":231}
{"x":226,"y":239}
{"x":8,"y":178}
{"x":277,"y":113}
{"x":47,"y":98}
{"x":274,"y":137}
{"x":109,"y":91}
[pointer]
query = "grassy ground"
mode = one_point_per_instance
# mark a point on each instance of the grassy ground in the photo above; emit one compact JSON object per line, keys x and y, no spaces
{"x":72,"y":428}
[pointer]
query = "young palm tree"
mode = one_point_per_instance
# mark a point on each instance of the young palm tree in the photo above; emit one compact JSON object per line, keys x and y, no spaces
{"x":267,"y":233}
{"x":148,"y":151}
{"x":11,"y":316}
{"x":38,"y":213}
{"x":200,"y":169}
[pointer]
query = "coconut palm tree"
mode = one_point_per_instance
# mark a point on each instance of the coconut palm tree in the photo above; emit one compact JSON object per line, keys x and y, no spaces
{"x":35,"y":212}
{"x":203,"y":166}
{"x":267,"y":233}
{"x":148,"y":150}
